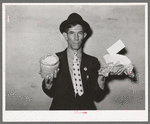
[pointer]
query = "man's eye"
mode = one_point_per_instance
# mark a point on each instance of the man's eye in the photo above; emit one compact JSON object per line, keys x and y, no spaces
{"x":81,"y":33}
{"x":71,"y":32}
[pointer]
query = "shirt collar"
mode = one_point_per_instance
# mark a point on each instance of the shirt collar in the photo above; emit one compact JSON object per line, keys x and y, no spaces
{"x":70,"y":53}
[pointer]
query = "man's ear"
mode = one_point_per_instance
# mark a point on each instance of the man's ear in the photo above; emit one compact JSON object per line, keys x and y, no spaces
{"x":85,"y":34}
{"x":65,"y":36}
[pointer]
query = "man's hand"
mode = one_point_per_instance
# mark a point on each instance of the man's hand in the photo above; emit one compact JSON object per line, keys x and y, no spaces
{"x":118,"y":69}
{"x":49,"y":78}
{"x":112,"y":69}
{"x":105,"y":69}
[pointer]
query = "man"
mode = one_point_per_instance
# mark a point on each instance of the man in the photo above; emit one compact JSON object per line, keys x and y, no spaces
{"x":76,"y":84}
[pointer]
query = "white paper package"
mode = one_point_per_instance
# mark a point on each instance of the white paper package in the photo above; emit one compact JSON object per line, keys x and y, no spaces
{"x":113,"y":60}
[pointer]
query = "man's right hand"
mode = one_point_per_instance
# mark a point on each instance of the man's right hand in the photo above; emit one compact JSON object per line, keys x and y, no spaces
{"x":49,"y":78}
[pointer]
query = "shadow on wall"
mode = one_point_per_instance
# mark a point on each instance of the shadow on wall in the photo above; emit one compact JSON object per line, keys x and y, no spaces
{"x":89,"y":34}
{"x":120,"y":77}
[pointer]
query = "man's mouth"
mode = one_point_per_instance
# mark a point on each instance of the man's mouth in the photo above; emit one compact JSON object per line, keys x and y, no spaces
{"x":76,"y":43}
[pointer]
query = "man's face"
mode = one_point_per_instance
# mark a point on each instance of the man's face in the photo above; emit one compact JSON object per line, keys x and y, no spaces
{"x":74,"y":37}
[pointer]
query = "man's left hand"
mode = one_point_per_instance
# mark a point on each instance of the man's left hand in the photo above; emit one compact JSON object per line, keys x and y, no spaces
{"x":111,"y":69}
{"x":118,"y":69}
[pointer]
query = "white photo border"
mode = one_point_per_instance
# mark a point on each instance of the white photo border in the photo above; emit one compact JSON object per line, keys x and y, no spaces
{"x":75,"y":116}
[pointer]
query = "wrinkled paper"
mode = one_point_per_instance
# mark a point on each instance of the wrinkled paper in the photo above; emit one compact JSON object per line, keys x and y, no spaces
{"x":114,"y":60}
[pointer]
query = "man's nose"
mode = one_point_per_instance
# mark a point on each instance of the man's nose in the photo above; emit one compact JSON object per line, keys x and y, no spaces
{"x":76,"y":37}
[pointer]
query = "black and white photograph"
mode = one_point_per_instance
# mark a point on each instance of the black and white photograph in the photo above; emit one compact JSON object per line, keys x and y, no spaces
{"x":75,"y":62}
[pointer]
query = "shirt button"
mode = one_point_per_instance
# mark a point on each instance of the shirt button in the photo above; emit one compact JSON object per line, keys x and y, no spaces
{"x":87,"y":76}
{"x":85,"y":69}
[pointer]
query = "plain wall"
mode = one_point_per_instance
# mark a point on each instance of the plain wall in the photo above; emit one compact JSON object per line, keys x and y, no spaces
{"x":33,"y":31}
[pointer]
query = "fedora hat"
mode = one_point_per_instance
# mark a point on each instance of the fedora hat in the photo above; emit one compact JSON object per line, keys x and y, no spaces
{"x":74,"y":18}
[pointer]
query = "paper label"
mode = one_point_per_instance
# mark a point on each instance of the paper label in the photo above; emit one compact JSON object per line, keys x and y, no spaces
{"x":116,"y":47}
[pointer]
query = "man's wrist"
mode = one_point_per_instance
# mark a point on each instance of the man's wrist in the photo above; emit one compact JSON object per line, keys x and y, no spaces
{"x":101,"y":81}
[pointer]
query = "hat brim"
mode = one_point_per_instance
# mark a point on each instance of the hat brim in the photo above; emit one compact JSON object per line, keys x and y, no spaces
{"x":67,"y":22}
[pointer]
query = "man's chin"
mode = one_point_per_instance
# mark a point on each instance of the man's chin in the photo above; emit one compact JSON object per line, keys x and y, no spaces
{"x":75,"y":49}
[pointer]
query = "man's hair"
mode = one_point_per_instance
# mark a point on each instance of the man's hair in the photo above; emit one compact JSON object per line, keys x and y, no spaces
{"x":72,"y":25}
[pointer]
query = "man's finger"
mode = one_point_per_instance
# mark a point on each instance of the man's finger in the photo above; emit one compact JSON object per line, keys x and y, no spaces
{"x":126,"y":72}
{"x":120,"y":72}
{"x":55,"y":73}
{"x":117,"y":68}
{"x":46,"y":81}
{"x":52,"y":76}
